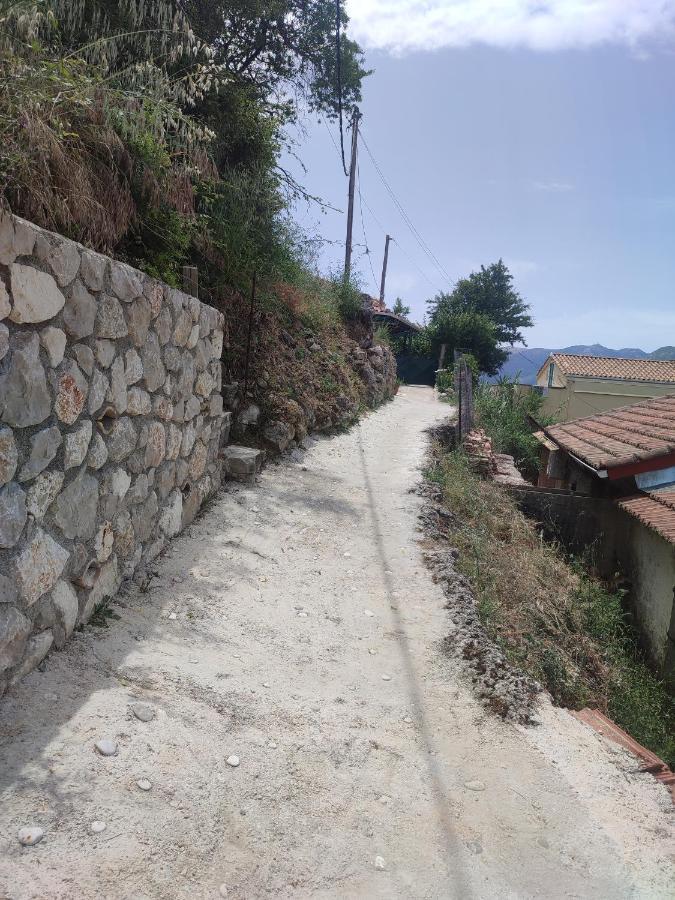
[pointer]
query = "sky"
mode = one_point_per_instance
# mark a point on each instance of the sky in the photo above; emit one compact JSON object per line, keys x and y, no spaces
{"x":539,"y":132}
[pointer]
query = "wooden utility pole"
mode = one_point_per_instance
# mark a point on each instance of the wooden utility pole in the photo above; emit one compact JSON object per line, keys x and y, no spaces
{"x":384,"y":268}
{"x":352,"y":181}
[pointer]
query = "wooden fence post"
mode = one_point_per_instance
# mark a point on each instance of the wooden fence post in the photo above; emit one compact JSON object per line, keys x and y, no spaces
{"x":191,"y":280}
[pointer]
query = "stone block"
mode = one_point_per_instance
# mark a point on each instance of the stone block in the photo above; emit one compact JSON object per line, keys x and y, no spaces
{"x":74,"y":510}
{"x":98,"y":390}
{"x":5,"y":305}
{"x":76,"y":445}
{"x":124,"y":543}
{"x":66,"y":607}
{"x":70,"y":387}
{"x":98,"y":452}
{"x":39,"y":566}
{"x":35,"y":295}
{"x":54,"y":342}
{"x":154,"y":292}
{"x":117,"y":393}
{"x":92,"y":270}
{"x":14,"y":631}
{"x":64,"y":261}
{"x":124,"y":282}
{"x":12,"y":514}
{"x":9,"y":455}
{"x":164,"y":326}
{"x":139,"y":316}
{"x":42,"y":493}
{"x":7,"y":590}
{"x":85,"y":357}
{"x":79,"y":313}
{"x":242,"y":462}
{"x":249,"y":415}
{"x":144,"y":517}
{"x":44,"y":447}
{"x":133,"y":367}
{"x":4,"y":340}
{"x":103,"y":542}
{"x":110,"y":321}
{"x":24,"y":396}
{"x":155,"y":448}
{"x":138,"y":402}
{"x":7,"y":252}
{"x":183,"y":327}
{"x":170,"y":519}
{"x":122,"y":439}
{"x":278,"y":435}
{"x":154,"y":372}
{"x":105,"y":353}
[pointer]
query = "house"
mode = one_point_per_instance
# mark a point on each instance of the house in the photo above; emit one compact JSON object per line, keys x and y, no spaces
{"x":611,"y":477}
{"x":576,"y":386}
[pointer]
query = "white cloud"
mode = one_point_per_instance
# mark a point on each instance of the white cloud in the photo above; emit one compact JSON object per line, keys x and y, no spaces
{"x":406,"y":25}
{"x":553,"y":187}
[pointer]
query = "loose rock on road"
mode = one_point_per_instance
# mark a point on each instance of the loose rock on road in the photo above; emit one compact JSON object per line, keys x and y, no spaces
{"x":300,"y":728}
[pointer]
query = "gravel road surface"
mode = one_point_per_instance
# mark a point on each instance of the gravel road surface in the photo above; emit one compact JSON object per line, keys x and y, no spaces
{"x":308,"y":737}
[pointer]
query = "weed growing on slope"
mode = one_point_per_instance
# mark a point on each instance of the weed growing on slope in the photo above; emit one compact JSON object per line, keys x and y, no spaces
{"x":547,"y":614}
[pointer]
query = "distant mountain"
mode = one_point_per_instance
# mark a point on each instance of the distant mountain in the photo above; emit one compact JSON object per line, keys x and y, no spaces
{"x":526,"y":362}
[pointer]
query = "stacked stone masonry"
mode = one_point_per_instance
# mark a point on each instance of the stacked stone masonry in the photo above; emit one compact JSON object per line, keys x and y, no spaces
{"x":111,"y":425}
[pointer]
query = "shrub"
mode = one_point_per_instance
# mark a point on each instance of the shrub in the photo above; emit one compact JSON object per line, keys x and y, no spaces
{"x":565,"y":628}
{"x":504,"y":411}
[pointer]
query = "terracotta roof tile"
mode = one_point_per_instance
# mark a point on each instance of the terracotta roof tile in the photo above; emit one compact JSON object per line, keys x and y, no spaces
{"x":659,"y":370}
{"x":619,"y":436}
{"x":655,"y":509}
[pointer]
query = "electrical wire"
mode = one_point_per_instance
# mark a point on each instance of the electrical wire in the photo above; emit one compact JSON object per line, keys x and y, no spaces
{"x":365,"y":203}
{"x":363,"y":228}
{"x":339,"y":83}
{"x":404,"y":215}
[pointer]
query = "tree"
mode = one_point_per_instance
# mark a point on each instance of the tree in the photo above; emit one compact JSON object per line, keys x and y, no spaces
{"x":470,"y":331}
{"x":400,"y":309}
{"x":491,"y":293}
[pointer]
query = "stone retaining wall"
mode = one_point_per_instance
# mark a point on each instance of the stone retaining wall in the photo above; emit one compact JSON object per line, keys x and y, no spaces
{"x":111,"y":422}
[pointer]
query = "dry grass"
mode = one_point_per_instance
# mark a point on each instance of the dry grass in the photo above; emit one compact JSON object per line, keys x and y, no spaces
{"x":554,"y":621}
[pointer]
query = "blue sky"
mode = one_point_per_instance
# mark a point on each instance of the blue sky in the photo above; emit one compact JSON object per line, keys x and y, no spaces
{"x":540,"y":132}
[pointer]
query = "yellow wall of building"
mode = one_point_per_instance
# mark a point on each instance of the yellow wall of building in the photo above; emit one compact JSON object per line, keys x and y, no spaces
{"x":588,"y":396}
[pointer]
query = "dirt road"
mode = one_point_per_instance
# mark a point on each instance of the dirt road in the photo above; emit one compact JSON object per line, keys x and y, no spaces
{"x":295,"y":627}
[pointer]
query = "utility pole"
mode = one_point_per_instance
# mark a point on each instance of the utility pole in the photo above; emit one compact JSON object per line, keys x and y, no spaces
{"x":352,"y":181}
{"x":384,"y":268}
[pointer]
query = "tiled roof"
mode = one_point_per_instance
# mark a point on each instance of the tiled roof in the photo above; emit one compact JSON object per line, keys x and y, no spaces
{"x":620,"y":436}
{"x":655,"y":509}
{"x":660,"y":370}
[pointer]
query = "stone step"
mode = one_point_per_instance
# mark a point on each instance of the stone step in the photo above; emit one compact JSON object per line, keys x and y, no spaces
{"x":242,"y":462}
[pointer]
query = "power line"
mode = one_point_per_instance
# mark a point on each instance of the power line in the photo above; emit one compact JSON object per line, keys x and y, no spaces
{"x":339,"y":84}
{"x":417,"y":266}
{"x":404,"y":215}
{"x":365,"y":203}
{"x":363,"y":228}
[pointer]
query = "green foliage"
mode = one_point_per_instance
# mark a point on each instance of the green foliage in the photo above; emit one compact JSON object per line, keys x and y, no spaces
{"x":382,"y":335}
{"x":153,"y":129}
{"x":400,"y":308}
{"x":489,"y":292}
{"x":504,"y":410}
{"x":445,"y":381}
{"x":483,"y":312}
{"x":638,"y":701}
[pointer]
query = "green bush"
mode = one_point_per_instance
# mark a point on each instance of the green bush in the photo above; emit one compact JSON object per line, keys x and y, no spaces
{"x":382,"y":335}
{"x":504,"y":410}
